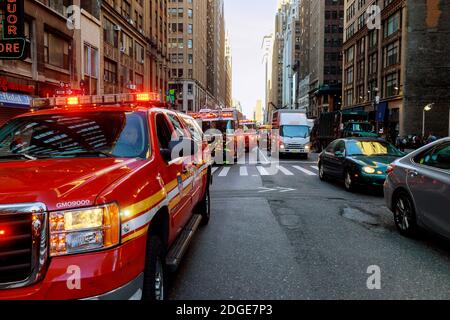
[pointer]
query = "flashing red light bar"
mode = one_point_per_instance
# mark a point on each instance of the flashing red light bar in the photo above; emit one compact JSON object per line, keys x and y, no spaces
{"x":2,"y":232}
{"x":109,"y":99}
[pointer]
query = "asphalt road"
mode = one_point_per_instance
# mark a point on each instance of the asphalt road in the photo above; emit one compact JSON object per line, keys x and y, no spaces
{"x":291,"y":236}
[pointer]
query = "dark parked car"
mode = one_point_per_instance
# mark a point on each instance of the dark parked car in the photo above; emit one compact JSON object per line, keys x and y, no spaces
{"x":417,"y":190}
{"x":358,"y":161}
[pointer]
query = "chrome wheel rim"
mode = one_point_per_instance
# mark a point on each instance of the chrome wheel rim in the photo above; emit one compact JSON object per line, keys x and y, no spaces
{"x":159,"y":280}
{"x":403,"y":214}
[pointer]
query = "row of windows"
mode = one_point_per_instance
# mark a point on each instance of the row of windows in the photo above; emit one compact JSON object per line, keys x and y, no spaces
{"x":390,"y":87}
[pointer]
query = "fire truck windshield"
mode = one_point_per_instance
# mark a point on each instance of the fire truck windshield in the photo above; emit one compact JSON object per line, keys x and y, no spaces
{"x":68,"y":135}
{"x":222,"y":126}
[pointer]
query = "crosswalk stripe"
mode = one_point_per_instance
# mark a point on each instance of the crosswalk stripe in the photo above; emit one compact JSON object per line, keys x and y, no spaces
{"x":214,"y":169}
{"x":315,"y":168}
{"x":224,"y":172}
{"x":243,"y":172}
{"x":262,"y":171}
{"x":285,"y":171}
{"x":309,"y":173}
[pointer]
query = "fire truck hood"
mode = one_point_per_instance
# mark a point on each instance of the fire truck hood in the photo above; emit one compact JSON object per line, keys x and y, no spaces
{"x":60,"y":183}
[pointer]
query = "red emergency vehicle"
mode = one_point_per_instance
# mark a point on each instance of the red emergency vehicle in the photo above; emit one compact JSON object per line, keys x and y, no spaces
{"x":220,"y":125}
{"x":99,"y":196}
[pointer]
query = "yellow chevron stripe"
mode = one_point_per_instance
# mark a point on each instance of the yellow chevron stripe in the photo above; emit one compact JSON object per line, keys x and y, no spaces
{"x":144,"y":205}
{"x":136,"y":234}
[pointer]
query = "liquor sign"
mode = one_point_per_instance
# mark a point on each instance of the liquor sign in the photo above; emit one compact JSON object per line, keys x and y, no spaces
{"x":12,"y":45}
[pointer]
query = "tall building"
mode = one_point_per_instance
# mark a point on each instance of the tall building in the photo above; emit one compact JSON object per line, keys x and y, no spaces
{"x":258,"y":114}
{"x":188,"y":54}
{"x":326,"y":22}
{"x":134,"y":52}
{"x":275,"y":95}
{"x":53,"y":61}
{"x":291,"y":55}
{"x":304,"y":73}
{"x":228,"y":73}
{"x":216,"y":74}
{"x":388,"y":68}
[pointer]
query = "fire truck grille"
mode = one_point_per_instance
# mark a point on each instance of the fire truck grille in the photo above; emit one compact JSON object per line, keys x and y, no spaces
{"x":15,"y":247}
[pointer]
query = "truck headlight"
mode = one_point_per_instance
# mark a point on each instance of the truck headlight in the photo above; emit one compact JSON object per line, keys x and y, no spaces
{"x":84,"y":230}
{"x":369,"y":170}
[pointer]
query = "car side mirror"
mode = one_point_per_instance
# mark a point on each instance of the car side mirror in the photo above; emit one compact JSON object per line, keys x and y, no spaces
{"x":166,"y":154}
{"x":339,"y":154}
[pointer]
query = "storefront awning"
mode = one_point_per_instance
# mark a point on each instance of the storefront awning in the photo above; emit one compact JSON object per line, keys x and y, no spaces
{"x":14,"y":100}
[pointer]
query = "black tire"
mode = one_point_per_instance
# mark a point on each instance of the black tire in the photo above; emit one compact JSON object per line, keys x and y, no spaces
{"x":348,"y":182}
{"x":322,"y":174}
{"x":155,"y":271}
{"x":405,"y":215}
{"x":204,"y":208}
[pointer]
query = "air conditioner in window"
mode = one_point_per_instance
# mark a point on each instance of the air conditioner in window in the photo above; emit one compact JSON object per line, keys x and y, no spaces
{"x":117,"y":28}
{"x":130,"y":21}
{"x":122,"y":49}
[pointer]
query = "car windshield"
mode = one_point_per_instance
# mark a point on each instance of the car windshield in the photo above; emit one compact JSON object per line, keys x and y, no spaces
{"x":360,"y":127}
{"x":372,"y":148}
{"x":105,"y":134}
{"x":295,"y":131}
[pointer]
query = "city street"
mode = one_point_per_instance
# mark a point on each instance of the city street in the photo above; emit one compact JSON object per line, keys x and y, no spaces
{"x":291,"y":236}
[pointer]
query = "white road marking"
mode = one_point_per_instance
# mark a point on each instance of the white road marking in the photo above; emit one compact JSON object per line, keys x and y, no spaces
{"x":243,"y":171}
{"x":262,"y":171}
{"x":315,"y":168}
{"x":285,"y":171}
{"x":214,"y":169}
{"x":264,"y":156}
{"x":307,"y":172}
{"x":224,"y":172}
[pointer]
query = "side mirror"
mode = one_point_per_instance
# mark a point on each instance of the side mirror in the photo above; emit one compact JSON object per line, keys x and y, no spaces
{"x":166,"y":154}
{"x":339,"y":154}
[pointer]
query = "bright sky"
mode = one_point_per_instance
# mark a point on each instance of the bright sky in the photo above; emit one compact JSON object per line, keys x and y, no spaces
{"x":247,"y":22}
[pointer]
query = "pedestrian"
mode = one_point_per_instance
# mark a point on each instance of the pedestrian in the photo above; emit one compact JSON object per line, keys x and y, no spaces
{"x":431,"y":138}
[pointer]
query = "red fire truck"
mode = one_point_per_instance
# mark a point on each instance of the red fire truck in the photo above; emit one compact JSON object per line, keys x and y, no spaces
{"x":99,"y":197}
{"x":221,"y":125}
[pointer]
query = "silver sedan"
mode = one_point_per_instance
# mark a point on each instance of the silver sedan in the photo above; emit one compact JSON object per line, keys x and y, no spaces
{"x":417,"y":190}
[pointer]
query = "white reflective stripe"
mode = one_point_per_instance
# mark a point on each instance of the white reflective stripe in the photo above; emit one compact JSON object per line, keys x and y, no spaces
{"x":243,"y":171}
{"x":187,"y":182}
{"x":137,"y":223}
{"x":307,"y":172}
{"x":285,"y":171}
{"x":172,"y":194}
{"x":262,"y":171}
{"x":224,"y":172}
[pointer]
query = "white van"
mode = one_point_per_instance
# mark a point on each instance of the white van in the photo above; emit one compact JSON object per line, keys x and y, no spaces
{"x":294,"y":132}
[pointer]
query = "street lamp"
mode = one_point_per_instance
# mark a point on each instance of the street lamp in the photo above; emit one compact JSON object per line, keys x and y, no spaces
{"x":427,"y":108}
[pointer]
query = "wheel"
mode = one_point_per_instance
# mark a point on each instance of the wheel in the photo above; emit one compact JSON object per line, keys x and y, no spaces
{"x":154,"y":272}
{"x":349,"y":183}
{"x":204,"y":208}
{"x":405,"y":215}
{"x":322,"y":174}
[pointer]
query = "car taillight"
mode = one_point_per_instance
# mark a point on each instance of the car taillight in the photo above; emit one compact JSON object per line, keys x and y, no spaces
{"x":390,"y":169}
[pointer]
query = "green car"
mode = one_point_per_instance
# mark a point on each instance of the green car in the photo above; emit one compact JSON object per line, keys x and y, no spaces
{"x":358,"y":161}
{"x":359,"y":129}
